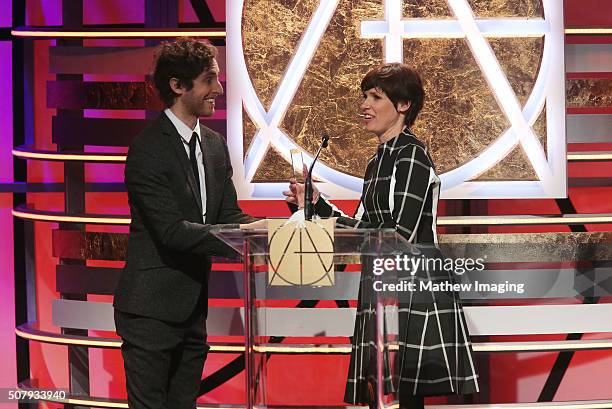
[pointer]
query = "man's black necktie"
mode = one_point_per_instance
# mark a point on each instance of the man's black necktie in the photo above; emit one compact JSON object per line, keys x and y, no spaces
{"x":194,"y":160}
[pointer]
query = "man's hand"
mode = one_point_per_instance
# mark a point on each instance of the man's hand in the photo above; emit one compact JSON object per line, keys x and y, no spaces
{"x":259,"y":224}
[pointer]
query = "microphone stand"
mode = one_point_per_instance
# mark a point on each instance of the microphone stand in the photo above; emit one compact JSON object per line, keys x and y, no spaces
{"x":308,"y":206}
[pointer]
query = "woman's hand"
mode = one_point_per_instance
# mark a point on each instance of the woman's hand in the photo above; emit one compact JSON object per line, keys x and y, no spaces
{"x":295,"y":194}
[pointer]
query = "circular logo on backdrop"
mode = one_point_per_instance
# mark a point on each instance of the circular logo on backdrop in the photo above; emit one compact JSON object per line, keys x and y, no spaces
{"x":493,"y":73}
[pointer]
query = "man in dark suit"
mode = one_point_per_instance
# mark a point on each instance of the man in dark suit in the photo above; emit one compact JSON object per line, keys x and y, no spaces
{"x":179,"y":181}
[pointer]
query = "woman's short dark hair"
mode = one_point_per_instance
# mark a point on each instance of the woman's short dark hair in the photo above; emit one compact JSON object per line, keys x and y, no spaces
{"x":401,"y":84}
{"x":183,"y":59}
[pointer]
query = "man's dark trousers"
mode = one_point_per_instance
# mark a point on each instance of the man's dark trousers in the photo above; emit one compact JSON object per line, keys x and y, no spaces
{"x":165,"y":360}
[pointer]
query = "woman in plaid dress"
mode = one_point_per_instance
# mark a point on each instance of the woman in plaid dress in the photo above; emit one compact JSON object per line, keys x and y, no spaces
{"x":401,"y":191}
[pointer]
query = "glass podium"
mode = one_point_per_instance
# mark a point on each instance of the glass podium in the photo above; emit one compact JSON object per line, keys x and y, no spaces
{"x":276,"y":265}
{"x":509,"y":284}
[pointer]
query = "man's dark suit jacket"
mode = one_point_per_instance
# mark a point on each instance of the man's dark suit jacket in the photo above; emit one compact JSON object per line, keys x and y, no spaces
{"x":169,"y":247}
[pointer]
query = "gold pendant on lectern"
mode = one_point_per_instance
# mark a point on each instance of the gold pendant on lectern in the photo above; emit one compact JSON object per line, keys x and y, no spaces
{"x":301,"y":253}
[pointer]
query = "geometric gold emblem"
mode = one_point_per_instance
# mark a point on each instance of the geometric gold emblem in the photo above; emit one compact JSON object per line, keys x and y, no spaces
{"x":494,"y":117}
{"x":301,"y":253}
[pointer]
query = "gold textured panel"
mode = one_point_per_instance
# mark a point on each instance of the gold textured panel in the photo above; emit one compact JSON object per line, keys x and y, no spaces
{"x":526,"y":247}
{"x":426,"y":9}
{"x":481,"y":8}
{"x":75,"y":94}
{"x":567,"y":245}
{"x":591,"y":92}
{"x":461,"y":116}
{"x":248,"y":132}
{"x":80,"y":245}
{"x":273,"y":168}
{"x":520,"y":59}
{"x":515,"y":161}
{"x":539,"y":127}
{"x":506,"y":8}
{"x":328,"y":97}
{"x":271,"y":31}
{"x":570,"y":240}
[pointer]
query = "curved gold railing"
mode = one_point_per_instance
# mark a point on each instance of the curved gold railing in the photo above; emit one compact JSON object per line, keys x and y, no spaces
{"x":98,"y":402}
{"x":596,"y":156}
{"x":36,"y":32}
{"x":27,"y":331}
{"x":588,"y":31}
{"x":39,"y":32}
{"x":30,"y":153}
{"x":27,"y":213}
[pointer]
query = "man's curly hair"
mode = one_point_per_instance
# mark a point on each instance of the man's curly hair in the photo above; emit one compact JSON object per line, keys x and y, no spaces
{"x":183,"y":59}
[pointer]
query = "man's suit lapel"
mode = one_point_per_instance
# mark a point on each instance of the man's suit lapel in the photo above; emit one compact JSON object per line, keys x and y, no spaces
{"x":179,"y":149}
{"x":207,"y":155}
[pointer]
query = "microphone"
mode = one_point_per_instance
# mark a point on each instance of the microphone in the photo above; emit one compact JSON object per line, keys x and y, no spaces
{"x":308,"y":206}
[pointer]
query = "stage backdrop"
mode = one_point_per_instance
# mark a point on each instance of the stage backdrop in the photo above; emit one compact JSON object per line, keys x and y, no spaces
{"x":514,"y":377}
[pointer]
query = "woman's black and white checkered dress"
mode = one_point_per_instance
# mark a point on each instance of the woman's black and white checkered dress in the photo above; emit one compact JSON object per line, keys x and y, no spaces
{"x":401,"y":191}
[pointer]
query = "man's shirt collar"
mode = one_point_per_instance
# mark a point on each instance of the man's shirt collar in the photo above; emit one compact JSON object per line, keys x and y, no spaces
{"x":181,"y":127}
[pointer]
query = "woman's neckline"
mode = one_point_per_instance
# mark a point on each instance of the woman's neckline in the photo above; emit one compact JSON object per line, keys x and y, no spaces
{"x":406,"y":131}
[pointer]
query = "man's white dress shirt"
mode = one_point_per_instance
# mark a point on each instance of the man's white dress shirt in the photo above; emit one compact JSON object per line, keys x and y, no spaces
{"x":186,"y":134}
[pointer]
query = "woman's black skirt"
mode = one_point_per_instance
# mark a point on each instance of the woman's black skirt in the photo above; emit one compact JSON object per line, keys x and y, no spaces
{"x":432,"y":354}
